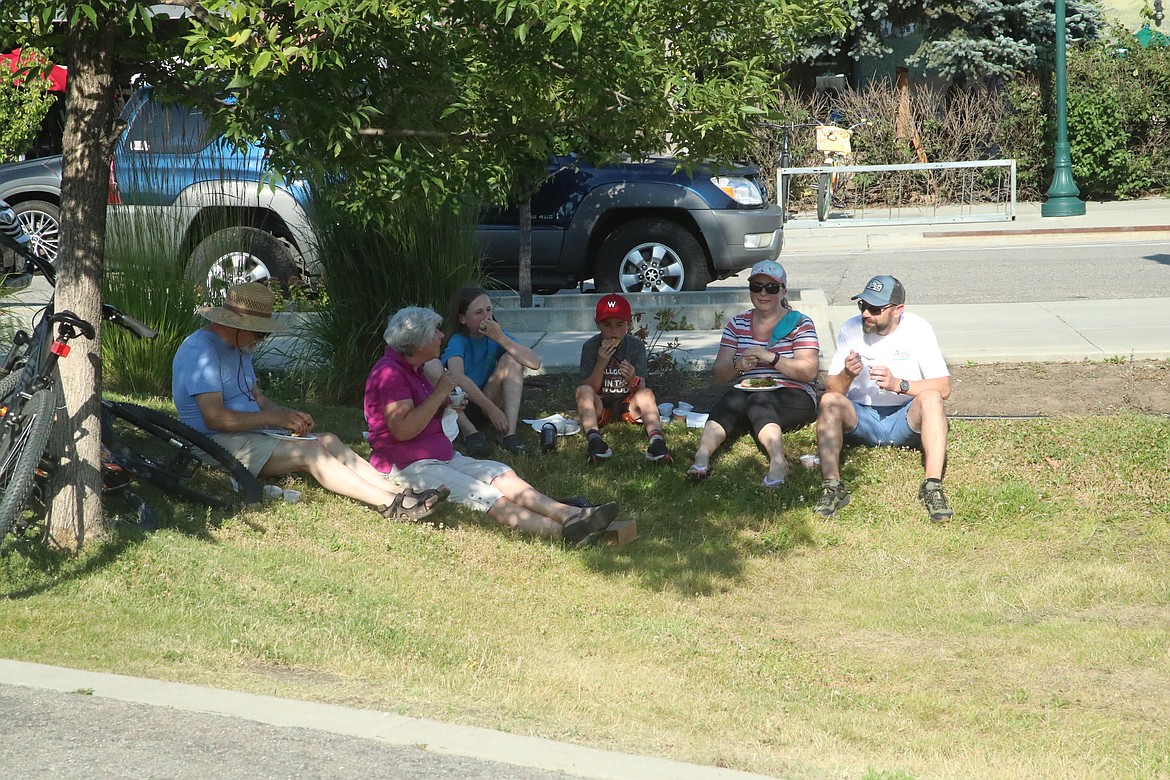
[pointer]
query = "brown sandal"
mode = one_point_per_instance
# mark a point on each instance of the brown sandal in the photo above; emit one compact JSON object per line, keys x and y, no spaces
{"x":395,"y":510}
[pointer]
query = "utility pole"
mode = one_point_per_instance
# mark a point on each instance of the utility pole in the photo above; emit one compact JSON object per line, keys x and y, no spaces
{"x":1063,"y":200}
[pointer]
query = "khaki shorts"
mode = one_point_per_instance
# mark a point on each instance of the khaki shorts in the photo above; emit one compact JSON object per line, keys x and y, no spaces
{"x":469,"y":479}
{"x":249,"y":447}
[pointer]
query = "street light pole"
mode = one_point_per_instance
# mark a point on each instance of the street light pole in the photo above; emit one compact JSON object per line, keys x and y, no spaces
{"x":1062,"y":194}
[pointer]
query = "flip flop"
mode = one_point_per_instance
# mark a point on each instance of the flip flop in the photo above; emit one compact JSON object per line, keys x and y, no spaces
{"x":770,"y":484}
{"x":697,"y":473}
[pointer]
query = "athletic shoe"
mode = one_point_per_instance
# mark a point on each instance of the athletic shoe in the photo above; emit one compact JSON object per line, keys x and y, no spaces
{"x":598,"y":449}
{"x":833,"y":497}
{"x":477,"y":445}
{"x":513,"y":444}
{"x":587,"y":522}
{"x":931,"y":494}
{"x":657,"y":451}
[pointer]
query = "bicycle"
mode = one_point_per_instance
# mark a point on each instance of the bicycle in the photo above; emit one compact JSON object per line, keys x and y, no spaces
{"x":138,"y":441}
{"x":784,"y":183}
{"x":837,"y":145}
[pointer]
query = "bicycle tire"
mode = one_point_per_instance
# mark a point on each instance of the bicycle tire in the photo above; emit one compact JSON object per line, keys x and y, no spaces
{"x":824,"y":196}
{"x":22,"y":449}
{"x":175,"y":457}
{"x":8,"y":384}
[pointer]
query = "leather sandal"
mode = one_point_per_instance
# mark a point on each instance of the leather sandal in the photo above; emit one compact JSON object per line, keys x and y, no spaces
{"x":395,"y":510}
{"x":441,"y":493}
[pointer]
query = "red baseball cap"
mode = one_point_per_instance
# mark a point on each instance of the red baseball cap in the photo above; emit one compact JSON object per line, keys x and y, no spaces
{"x":613,"y":307}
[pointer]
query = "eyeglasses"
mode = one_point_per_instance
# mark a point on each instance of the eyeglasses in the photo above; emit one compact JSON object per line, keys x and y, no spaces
{"x":769,"y":287}
{"x":862,"y":306}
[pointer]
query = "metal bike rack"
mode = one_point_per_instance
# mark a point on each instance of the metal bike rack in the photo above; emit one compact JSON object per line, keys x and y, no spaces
{"x":893,"y":205}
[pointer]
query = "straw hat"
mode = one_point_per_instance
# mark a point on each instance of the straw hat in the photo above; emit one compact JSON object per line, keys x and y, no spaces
{"x":246,"y":306}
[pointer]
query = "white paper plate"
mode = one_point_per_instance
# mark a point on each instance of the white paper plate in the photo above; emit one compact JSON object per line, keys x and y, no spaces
{"x":744,"y":386}
{"x":276,"y":433}
{"x":565,"y":425}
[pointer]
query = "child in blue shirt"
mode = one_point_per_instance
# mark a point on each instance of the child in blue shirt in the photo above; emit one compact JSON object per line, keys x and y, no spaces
{"x":488,"y":364}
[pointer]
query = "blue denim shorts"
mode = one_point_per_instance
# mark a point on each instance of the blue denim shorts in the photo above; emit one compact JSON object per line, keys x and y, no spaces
{"x":883,"y":426}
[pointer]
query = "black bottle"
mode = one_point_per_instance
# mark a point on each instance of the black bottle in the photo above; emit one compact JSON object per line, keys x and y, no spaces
{"x":548,"y":437}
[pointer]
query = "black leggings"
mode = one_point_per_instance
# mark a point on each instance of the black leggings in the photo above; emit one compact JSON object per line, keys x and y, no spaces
{"x":741,"y":411}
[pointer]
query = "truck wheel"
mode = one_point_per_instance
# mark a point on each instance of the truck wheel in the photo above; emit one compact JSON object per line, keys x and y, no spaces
{"x":651,"y":255}
{"x":42,"y":221}
{"x":241,"y":254}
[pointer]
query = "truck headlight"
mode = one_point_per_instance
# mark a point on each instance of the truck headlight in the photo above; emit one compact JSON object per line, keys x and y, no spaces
{"x":739,"y":189}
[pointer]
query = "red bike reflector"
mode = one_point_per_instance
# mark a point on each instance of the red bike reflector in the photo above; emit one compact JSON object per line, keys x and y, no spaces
{"x":59,"y":349}
{"x":4,"y":411}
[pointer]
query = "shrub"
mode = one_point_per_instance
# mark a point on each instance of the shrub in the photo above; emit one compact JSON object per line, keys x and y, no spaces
{"x":148,"y":285}
{"x":377,"y":260}
{"x":1118,"y":105}
{"x":22,"y":108}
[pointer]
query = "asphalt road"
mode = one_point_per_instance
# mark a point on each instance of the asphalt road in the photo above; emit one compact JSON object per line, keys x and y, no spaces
{"x":990,"y":273}
{"x":72,"y":736}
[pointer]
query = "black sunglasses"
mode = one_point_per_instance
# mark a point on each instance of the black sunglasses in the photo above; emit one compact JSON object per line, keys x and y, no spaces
{"x":769,"y":287}
{"x":874,"y":310}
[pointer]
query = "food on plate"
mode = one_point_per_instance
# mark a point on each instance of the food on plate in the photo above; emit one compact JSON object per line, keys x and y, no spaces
{"x":759,"y":382}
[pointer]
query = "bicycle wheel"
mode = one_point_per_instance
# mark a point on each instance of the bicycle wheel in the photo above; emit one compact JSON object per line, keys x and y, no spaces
{"x":22,"y":444}
{"x":175,"y":457}
{"x":824,"y":196}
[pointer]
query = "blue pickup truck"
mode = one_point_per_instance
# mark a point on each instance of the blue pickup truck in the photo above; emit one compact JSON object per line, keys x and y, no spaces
{"x":631,"y":227}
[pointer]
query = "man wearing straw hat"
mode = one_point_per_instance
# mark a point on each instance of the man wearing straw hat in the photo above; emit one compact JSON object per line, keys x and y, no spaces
{"x":214,"y":387}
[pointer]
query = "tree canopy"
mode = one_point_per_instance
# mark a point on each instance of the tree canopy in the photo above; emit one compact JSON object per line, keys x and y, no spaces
{"x":972,"y":38}
{"x":437,"y":97}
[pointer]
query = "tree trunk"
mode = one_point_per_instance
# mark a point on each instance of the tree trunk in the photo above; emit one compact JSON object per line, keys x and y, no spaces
{"x":74,"y":496}
{"x":526,"y":253}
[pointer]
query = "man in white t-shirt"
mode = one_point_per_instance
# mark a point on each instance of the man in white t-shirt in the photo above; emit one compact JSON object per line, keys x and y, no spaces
{"x":886,"y":386}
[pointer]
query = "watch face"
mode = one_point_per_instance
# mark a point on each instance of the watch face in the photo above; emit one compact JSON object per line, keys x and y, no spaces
{"x":904,"y":387}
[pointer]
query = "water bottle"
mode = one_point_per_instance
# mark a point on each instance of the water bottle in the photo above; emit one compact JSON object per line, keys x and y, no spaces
{"x":548,"y":437}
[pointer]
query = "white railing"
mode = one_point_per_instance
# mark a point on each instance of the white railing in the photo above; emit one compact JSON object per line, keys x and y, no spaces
{"x":913,"y":193}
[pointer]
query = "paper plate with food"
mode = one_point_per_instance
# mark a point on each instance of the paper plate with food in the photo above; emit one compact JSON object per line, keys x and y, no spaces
{"x":758,"y":384}
{"x":281,"y":433}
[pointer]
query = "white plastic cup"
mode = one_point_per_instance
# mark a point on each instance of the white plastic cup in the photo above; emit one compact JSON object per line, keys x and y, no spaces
{"x":291,"y":496}
{"x":665,"y":410}
{"x":273,"y":492}
{"x":683,"y":406}
{"x":810,"y":461}
{"x":457,"y":396}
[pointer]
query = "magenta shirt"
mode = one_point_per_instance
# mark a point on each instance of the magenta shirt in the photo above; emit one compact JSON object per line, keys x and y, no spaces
{"x":393,"y":379}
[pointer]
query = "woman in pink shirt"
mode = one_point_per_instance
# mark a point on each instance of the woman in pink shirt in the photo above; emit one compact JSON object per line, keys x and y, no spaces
{"x":404,"y":412}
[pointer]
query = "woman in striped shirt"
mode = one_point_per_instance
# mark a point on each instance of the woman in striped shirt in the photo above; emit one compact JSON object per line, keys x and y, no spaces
{"x":771,"y":355}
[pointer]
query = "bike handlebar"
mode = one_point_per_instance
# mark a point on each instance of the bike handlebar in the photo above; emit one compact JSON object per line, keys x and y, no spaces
{"x":120,"y":318}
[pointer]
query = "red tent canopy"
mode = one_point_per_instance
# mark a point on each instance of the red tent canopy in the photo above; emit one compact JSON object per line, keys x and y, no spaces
{"x":56,"y":76}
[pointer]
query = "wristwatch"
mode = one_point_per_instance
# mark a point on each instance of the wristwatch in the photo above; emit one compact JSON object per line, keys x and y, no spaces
{"x":903,"y":387}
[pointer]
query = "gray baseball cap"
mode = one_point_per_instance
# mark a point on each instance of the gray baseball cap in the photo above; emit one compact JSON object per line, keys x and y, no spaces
{"x":882,"y":291}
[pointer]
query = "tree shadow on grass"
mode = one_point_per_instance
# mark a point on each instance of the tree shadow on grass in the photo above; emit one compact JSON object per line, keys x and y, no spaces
{"x":694,"y":538}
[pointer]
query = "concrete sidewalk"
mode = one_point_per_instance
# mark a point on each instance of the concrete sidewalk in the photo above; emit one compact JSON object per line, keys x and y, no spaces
{"x":977,"y":333}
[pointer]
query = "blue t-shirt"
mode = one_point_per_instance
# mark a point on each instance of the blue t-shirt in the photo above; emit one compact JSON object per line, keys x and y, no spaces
{"x":204,"y":363}
{"x":479,"y":355}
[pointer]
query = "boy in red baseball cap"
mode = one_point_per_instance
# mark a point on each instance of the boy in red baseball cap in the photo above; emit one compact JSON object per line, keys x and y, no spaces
{"x":613,"y":382}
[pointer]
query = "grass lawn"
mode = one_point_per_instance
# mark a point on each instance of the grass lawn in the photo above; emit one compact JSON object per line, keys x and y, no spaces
{"x":1030,"y":637}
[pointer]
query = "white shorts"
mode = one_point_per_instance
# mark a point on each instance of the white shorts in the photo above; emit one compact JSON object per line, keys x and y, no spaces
{"x":468,"y":478}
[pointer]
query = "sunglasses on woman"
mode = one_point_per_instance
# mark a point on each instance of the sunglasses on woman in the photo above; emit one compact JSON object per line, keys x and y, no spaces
{"x":769,"y":287}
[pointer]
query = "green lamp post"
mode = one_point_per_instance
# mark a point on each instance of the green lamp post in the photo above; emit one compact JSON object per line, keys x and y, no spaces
{"x":1063,"y":200}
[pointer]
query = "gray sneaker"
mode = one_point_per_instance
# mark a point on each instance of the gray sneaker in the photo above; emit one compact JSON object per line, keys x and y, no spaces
{"x":833,"y":497}
{"x":931,"y":494}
